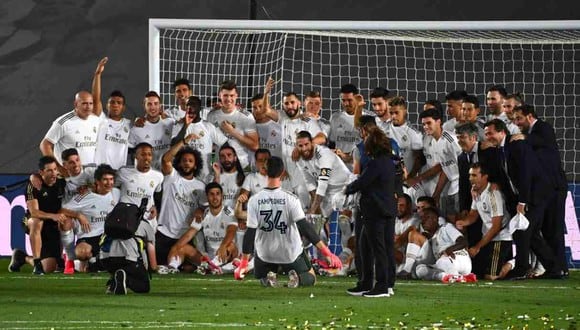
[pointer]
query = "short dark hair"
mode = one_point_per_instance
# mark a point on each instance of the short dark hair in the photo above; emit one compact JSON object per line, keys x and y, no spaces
{"x":152,"y":94}
{"x":436,"y":104}
{"x":407,"y":199}
{"x":526,"y":109}
{"x":467,"y":128}
{"x":274,"y":167}
{"x":349,"y":88}
{"x":262,"y":151}
{"x":182,"y":81}
{"x":380,"y":92}
{"x":68,"y":152}
{"x":427,"y":199}
{"x":481,"y":168}
{"x":228,"y":85}
{"x":430,"y":113}
{"x":367,"y":120}
{"x":457,"y":95}
{"x":288,"y":94}
{"x":304,"y":134}
{"x":498,"y":88}
{"x":45,"y":160}
{"x":314,"y":94}
{"x":398,"y":101}
{"x":143,"y":145}
{"x":471,"y":99}
{"x":194,"y":102}
{"x":257,"y":97}
{"x":117,"y":93}
{"x":213,"y":185}
{"x":102,"y":170}
{"x":498,"y":124}
{"x":432,"y":210}
{"x":196,"y":154}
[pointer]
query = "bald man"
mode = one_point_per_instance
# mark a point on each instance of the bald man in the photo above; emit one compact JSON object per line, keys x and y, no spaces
{"x":75,"y":129}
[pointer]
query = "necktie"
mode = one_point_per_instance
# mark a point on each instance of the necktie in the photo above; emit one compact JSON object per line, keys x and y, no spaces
{"x":471,"y":157}
{"x":503,"y":159}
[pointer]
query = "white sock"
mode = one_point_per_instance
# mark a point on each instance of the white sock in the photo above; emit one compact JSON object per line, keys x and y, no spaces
{"x":175,"y":262}
{"x":411,"y":255}
{"x":67,"y":239}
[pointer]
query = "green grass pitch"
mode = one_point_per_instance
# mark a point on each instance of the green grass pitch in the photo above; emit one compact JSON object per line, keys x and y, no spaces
{"x":219,"y":302}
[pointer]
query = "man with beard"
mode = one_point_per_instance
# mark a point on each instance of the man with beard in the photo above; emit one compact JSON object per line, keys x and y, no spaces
{"x":470,"y":110}
{"x":156,"y":131}
{"x":203,"y":136}
{"x":113,"y":138}
{"x":182,"y":91}
{"x":494,"y":100}
{"x":183,"y":196}
{"x":343,"y":134}
{"x":380,"y":99}
{"x":409,"y":139}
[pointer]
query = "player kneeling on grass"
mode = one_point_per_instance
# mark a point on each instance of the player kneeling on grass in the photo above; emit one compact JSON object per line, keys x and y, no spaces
{"x":219,"y":228}
{"x":440,"y":252}
{"x":276,"y":223}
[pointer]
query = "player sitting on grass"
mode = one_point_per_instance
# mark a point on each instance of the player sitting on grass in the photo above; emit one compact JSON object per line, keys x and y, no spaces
{"x":219,"y":228}
{"x":440,"y":251}
{"x":276,"y":223}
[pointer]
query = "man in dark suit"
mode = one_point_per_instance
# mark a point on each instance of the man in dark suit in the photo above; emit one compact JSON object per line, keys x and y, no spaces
{"x":526,"y":181}
{"x":541,"y":137}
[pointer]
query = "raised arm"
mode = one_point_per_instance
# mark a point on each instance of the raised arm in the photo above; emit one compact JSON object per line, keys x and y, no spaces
{"x":96,"y":88}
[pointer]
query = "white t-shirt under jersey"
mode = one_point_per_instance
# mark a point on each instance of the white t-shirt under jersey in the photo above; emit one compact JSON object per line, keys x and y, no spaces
{"x":491,"y":203}
{"x":180,"y":198}
{"x":243,"y":122}
{"x":214,"y":228}
{"x":274,"y":213}
{"x":113,"y":142}
{"x":136,"y":185}
{"x":95,"y":207}
{"x":70,"y":131}
{"x":156,"y":134}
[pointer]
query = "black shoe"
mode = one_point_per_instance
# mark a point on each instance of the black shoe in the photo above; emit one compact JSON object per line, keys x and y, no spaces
{"x":516,"y":275}
{"x":119,"y":282}
{"x":357,"y":291}
{"x":376,"y":293}
{"x":551,"y":276}
{"x":17,"y":261}
{"x":38,"y":270}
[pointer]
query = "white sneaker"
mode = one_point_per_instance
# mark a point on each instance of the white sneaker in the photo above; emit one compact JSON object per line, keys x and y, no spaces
{"x":270,"y":280}
{"x":162,"y":270}
{"x":391,"y":292}
{"x":293,"y":279}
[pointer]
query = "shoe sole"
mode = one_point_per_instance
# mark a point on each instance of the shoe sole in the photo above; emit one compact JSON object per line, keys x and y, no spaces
{"x":356,"y":294}
{"x":124,"y":287}
{"x":293,"y":279}
{"x":382,"y":295}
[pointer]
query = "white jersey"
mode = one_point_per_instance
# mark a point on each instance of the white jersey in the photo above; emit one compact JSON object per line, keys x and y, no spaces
{"x":243,"y":122}
{"x":230,"y":188}
{"x":449,"y":125}
{"x":70,"y":131}
{"x":156,"y":134}
{"x":270,"y":137}
{"x":324,"y":125}
{"x":291,"y":127}
{"x":95,"y":207}
{"x":401,"y":226}
{"x":86,"y":178}
{"x":209,"y":136}
{"x":181,"y":197}
{"x":175,"y":113}
{"x":491,"y":203}
{"x":409,"y":139}
{"x":214,"y":228}
{"x":113,"y":143}
{"x":274,"y":213}
{"x":136,"y":185}
{"x":443,"y":151}
{"x":343,"y":132}
{"x":385,"y":126}
{"x":443,"y":238}
{"x":325,"y":165}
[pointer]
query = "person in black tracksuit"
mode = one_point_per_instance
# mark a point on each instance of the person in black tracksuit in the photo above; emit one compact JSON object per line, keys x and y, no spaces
{"x":378,"y":211}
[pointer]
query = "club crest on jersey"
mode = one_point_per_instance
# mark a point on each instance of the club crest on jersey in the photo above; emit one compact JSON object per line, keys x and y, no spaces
{"x":484,"y":206}
{"x":167,"y":132}
{"x":404,"y":138}
{"x":94,"y":129}
{"x":273,"y":133}
{"x":126,"y":130}
{"x":201,"y":133}
{"x":152,"y":184}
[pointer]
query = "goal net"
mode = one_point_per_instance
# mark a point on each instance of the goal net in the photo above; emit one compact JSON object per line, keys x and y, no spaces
{"x":418,"y":60}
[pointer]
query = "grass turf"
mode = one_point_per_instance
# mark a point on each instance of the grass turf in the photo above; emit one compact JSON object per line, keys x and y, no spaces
{"x":194,"y":301}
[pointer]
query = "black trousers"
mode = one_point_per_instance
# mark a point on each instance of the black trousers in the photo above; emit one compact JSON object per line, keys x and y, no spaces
{"x":137,"y":276}
{"x":553,"y":229}
{"x":377,"y":240}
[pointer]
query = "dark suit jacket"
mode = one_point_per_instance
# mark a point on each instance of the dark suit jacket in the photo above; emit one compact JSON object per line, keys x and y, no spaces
{"x":542,"y":139}
{"x":526,"y":174}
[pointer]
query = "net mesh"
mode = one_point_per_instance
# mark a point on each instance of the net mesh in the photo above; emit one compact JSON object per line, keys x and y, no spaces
{"x":418,"y":65}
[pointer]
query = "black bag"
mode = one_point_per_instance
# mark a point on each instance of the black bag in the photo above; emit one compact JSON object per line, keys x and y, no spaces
{"x":122,"y":222}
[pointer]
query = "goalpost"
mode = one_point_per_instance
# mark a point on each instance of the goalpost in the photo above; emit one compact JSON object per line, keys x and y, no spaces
{"x":418,"y":60}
